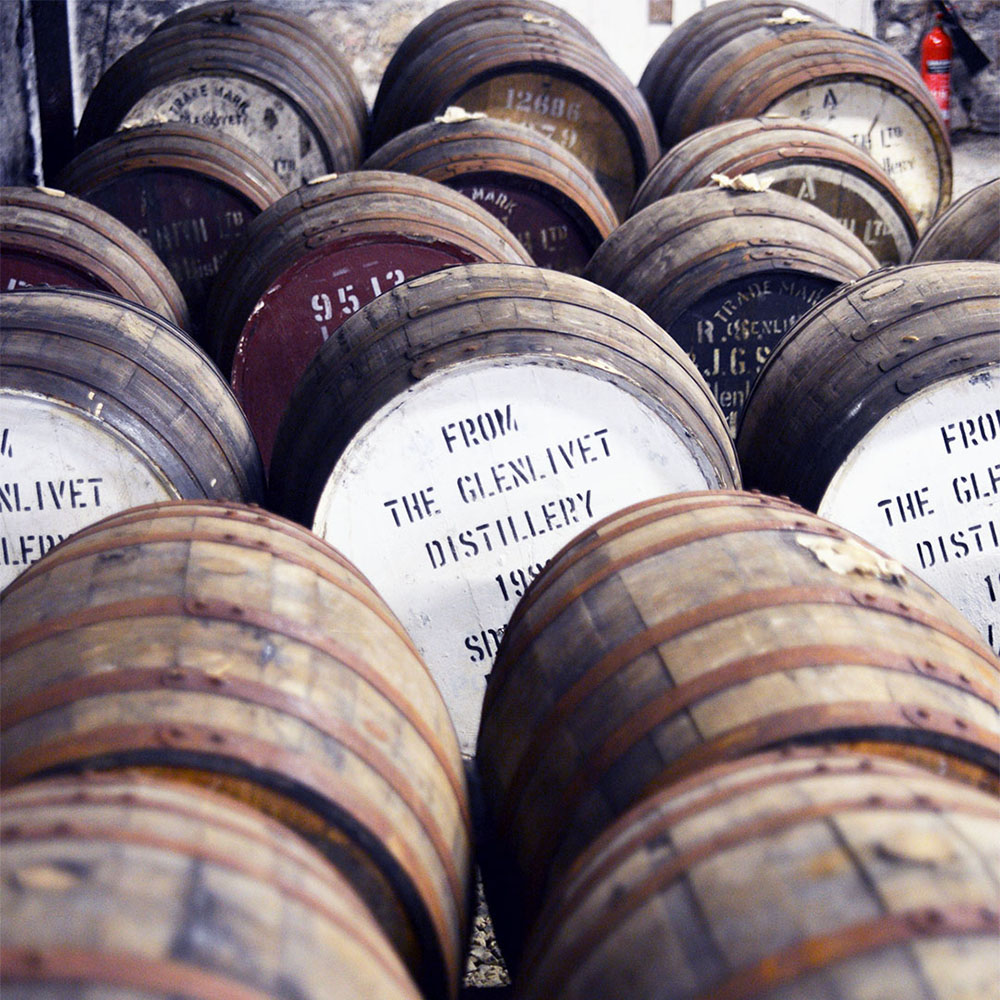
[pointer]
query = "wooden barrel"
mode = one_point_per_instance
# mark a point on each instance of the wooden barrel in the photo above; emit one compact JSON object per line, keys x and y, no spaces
{"x":806,"y":161}
{"x":189,"y":191}
{"x":880,"y":412}
{"x":460,"y":14}
{"x":699,"y":628}
{"x":830,"y":76}
{"x":319,"y":254}
{"x":134,"y":888}
{"x":222,"y":645}
{"x":536,"y":188}
{"x":48,"y":237}
{"x":727,"y":274}
{"x":107,"y":405}
{"x":538,"y":74}
{"x":968,"y":230}
{"x":265,"y":76}
{"x":695,"y":38}
{"x":844,"y":876}
{"x":460,"y":428}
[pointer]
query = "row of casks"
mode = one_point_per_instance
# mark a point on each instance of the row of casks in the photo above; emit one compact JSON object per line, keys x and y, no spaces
{"x":528,"y":62}
{"x":116,"y":173}
{"x":193,"y":67}
{"x":906,"y":310}
{"x":717,"y":760}
{"x":290,"y":235}
{"x":726,"y":746}
{"x":368,"y":402}
{"x":168,"y":673}
{"x":457,"y":430}
{"x":429,"y":365}
{"x":374,"y":231}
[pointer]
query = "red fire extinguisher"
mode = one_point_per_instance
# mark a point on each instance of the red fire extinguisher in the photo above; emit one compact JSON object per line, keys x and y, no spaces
{"x":935,"y":65}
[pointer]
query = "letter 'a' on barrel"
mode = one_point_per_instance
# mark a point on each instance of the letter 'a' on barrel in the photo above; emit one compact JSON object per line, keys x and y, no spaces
{"x":968,"y":230}
{"x":842,"y":876}
{"x":539,"y":190}
{"x":48,"y":237}
{"x":880,"y":412}
{"x":831,"y":76}
{"x":189,"y":191}
{"x":319,"y":254}
{"x":699,"y":628}
{"x":105,"y":406}
{"x":131,"y":887}
{"x":460,"y":429}
{"x":536,"y":72}
{"x":727,"y":274}
{"x":222,"y":645}
{"x":264,"y":75}
{"x":797,"y":158}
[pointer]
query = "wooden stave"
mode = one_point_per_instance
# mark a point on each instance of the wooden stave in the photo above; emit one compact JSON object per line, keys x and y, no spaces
{"x":297,"y":29}
{"x":765,"y":800}
{"x":471,"y":55}
{"x":682,"y":250}
{"x":177,"y":145}
{"x":706,"y":98}
{"x":178,"y":52}
{"x":124,"y":263}
{"x":512,"y":43}
{"x":460,"y":14}
{"x":342,"y":214}
{"x":954,"y":287}
{"x":745,"y":145}
{"x":404,"y":846}
{"x":131,"y":822}
{"x":665,"y":223}
{"x":526,"y":849}
{"x":226,"y":56}
{"x":692,"y":41}
{"x":748,"y":75}
{"x":331,"y":208}
{"x":966,"y":230}
{"x":177,"y":148}
{"x":445,"y":152}
{"x":176,"y":369}
{"x":385,"y":350}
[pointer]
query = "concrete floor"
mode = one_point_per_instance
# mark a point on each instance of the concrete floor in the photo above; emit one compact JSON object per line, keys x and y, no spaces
{"x":976,"y":159}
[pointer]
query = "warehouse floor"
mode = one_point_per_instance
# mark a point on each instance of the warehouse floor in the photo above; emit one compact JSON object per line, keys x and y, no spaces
{"x":976,"y":158}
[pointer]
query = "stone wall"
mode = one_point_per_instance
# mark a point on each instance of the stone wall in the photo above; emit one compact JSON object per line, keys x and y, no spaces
{"x":976,"y":101}
{"x":18,"y":97}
